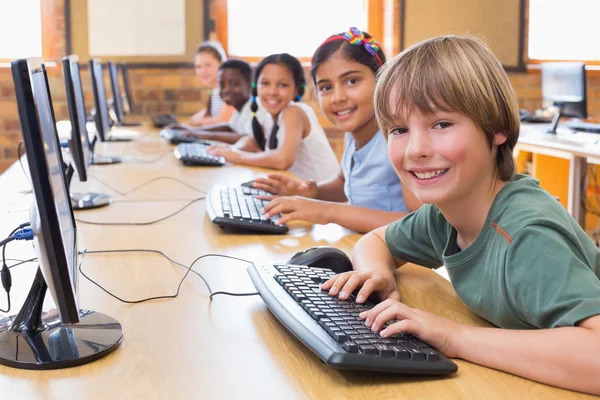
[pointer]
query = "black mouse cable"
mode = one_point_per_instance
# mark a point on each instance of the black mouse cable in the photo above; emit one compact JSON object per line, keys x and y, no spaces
{"x":159,"y":178}
{"x":172,"y":296}
{"x":20,"y":262}
{"x":141,"y":223}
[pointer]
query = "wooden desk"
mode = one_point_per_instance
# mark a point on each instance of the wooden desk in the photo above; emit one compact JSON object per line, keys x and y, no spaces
{"x":232,"y":348}
{"x":578,"y":148}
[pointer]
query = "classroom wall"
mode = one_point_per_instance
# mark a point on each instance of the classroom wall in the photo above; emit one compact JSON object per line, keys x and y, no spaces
{"x":176,"y":90}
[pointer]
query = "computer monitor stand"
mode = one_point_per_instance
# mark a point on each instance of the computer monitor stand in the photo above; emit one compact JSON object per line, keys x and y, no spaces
{"x":85,"y":201}
{"x":119,"y":139}
{"x":114,"y":121}
{"x":98,"y":159}
{"x":130,"y":123}
{"x":33,"y":339}
{"x":555,"y":119}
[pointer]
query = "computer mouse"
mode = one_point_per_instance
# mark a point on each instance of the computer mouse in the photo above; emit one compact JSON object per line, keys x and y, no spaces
{"x":323,"y":257}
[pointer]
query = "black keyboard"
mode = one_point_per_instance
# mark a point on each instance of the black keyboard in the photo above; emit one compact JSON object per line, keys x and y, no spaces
{"x":162,"y":120}
{"x":331,"y":328}
{"x":195,"y":154}
{"x":176,"y":136}
{"x":238,"y":208}
{"x":583,"y":126}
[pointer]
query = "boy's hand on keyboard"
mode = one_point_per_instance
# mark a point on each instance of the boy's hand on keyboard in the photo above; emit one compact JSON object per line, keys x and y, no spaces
{"x":285,"y":186}
{"x":230,"y":154}
{"x":295,"y":208}
{"x":439,"y":332}
{"x":344,"y":284}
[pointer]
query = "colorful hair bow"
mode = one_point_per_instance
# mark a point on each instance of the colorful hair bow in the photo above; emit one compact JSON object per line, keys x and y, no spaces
{"x":356,"y":37}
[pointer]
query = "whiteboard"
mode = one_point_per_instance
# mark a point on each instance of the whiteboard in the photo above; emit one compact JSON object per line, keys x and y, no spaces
{"x":136,"y":27}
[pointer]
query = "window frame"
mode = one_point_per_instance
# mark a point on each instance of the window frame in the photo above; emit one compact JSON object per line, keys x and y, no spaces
{"x":50,"y":36}
{"x":374,"y":21}
{"x":534,"y":64}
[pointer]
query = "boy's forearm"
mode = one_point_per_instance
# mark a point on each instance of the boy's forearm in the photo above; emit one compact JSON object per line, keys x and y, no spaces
{"x":372,"y":254}
{"x":359,"y":219}
{"x":566,"y":357}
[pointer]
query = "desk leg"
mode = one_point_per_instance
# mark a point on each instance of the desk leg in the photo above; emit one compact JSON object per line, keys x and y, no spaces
{"x":577,"y":170}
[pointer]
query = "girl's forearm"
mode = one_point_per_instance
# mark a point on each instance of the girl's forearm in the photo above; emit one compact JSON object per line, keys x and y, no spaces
{"x":266,"y":159}
{"x":331,"y":190}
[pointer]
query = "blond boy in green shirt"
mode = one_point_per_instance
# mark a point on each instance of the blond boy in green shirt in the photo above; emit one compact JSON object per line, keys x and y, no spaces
{"x":513,"y":254}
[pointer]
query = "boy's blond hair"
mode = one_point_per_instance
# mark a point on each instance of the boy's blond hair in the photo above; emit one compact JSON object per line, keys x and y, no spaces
{"x":451,"y":73}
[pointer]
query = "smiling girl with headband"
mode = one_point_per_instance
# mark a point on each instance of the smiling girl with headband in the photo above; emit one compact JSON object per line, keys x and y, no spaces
{"x":365,"y":193}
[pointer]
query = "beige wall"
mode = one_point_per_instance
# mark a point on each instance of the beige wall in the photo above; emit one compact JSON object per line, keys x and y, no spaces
{"x":177,"y":90}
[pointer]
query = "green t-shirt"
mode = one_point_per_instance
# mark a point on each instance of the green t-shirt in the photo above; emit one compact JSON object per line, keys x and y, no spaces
{"x":532,"y":266}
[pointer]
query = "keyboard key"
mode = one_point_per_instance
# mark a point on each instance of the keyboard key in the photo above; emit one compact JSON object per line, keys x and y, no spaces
{"x":350,"y":347}
{"x":339,"y":336}
{"x":384,"y":350}
{"x":400,"y":352}
{"x":431,"y":354}
{"x":416,"y":354}
{"x":367,"y":349}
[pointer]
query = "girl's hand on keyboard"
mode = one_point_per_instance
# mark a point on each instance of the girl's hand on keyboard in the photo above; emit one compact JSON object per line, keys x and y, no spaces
{"x":285,"y":186}
{"x":180,"y":125}
{"x":228,"y":153}
{"x":439,"y":332}
{"x":344,"y":284}
{"x":295,"y":208}
{"x":218,"y":145}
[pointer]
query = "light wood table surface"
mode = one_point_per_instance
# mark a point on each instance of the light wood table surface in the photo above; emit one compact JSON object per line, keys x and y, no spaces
{"x":232,"y":347}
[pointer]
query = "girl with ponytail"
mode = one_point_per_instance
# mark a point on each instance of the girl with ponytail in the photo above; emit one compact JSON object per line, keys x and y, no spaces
{"x":291,"y":137}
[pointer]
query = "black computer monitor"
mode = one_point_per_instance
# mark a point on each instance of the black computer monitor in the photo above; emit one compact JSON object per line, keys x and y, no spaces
{"x":102,"y":116}
{"x":102,"y":119}
{"x":119,"y":97}
{"x":117,"y":100}
{"x":67,"y":336}
{"x":79,"y":143}
{"x":564,"y":85}
{"x":128,"y":97}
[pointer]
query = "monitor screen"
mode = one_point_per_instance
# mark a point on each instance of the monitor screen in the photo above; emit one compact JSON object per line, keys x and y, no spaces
{"x":127,"y":98}
{"x":116,"y":91}
{"x":79,"y":144}
{"x":102,"y":121}
{"x":62,"y":201}
{"x":564,"y":85}
{"x":53,"y":222}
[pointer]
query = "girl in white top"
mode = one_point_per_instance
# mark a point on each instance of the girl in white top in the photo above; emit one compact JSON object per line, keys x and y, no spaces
{"x":314,"y":157}
{"x":296,"y":142}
